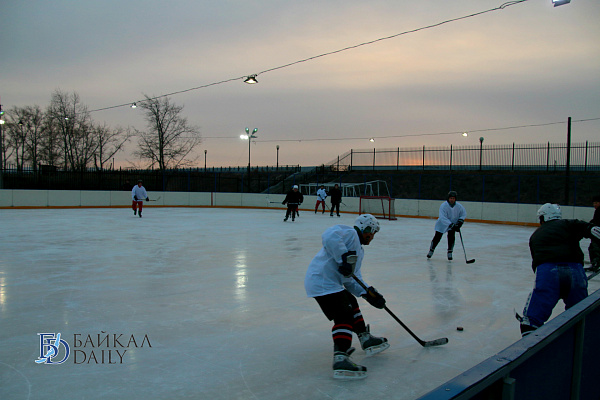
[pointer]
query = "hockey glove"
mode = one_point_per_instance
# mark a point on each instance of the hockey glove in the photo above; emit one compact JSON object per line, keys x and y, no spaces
{"x":135,"y":197}
{"x":348,"y":262}
{"x":459,"y":224}
{"x":451,"y":227}
{"x":147,"y":199}
{"x":374,"y":298}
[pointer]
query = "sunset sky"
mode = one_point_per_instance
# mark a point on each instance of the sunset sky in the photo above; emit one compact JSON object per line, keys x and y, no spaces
{"x":526,"y":64}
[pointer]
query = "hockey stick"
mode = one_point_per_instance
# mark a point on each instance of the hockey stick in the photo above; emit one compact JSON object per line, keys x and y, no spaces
{"x":593,"y":274}
{"x":463,"y":246}
{"x":158,"y":198}
{"x":430,"y":343}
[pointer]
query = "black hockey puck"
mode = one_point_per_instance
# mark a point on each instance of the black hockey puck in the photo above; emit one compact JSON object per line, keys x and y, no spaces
{"x":459,"y":328}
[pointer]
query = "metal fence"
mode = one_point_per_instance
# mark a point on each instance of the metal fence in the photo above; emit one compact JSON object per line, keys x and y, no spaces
{"x":222,"y":179}
{"x":530,"y":174}
{"x":539,"y":157}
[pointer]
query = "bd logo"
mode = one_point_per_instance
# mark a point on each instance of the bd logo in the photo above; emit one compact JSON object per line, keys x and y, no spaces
{"x":50,"y":349}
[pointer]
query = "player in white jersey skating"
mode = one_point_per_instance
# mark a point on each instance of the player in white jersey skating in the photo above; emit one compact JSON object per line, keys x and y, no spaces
{"x":138,"y":195}
{"x":330,"y":282}
{"x":321,"y":196}
{"x":452,"y":215}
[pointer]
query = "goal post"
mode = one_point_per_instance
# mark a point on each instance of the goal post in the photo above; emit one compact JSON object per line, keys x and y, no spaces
{"x":381,"y":207}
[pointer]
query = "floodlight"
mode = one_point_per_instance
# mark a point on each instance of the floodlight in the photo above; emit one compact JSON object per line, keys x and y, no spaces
{"x":251,"y":79}
{"x":560,"y":2}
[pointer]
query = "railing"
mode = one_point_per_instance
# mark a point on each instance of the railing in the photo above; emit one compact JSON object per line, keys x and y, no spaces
{"x":557,"y":361}
{"x":541,"y":157}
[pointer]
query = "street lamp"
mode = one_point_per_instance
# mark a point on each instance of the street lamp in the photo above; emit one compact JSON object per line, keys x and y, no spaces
{"x":1,"y":148}
{"x":249,"y":136}
{"x":568,"y":162}
{"x":205,"y":151}
{"x":277,"y":168}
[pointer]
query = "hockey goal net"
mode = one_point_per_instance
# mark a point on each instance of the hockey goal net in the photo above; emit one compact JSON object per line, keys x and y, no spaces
{"x":379,"y":206}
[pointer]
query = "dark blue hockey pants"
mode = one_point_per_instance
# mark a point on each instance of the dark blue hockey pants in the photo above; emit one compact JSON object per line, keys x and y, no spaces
{"x":555,"y":281}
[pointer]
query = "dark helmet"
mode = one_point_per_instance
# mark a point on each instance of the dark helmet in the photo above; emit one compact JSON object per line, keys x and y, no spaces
{"x":452,"y":193}
{"x":595,"y":199}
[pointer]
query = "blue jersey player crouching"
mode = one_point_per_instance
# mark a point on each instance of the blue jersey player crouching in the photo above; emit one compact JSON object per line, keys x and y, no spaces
{"x":557,"y":261}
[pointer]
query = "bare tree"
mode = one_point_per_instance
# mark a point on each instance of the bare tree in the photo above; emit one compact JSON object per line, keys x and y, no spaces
{"x":15,"y":137}
{"x":50,"y":146}
{"x":169,"y":139}
{"x":110,"y":142}
{"x":26,"y":130}
{"x":70,"y":119}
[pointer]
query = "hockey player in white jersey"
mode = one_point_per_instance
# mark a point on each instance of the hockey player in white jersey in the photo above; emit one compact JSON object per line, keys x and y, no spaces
{"x":452,"y":215}
{"x":321,"y":196}
{"x":138,"y":195}
{"x":329,"y":281}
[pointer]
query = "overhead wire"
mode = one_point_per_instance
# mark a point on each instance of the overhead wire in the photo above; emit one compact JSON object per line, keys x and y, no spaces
{"x":500,"y":7}
{"x":411,"y":134}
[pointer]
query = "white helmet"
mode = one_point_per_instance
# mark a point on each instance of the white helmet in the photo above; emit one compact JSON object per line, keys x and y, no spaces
{"x":367,"y":223}
{"x":549,"y":212}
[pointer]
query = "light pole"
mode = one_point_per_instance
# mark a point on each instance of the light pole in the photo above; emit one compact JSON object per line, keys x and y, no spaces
{"x":249,"y":136}
{"x":568,"y":162}
{"x":277,"y":168}
{"x":480,"y":151}
{"x":205,"y":151}
{"x":1,"y":148}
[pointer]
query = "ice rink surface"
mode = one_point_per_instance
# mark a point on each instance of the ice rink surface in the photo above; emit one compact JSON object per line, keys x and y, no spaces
{"x":214,"y":302}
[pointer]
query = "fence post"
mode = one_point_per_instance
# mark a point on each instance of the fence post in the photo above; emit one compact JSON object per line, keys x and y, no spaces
{"x":373,"y":159}
{"x":568,"y":162}
{"x":450,"y":157}
{"x":423,"y":158}
{"x":548,"y":157}
{"x":398,"y":160}
{"x":512,"y":168}
{"x":586,"y":153}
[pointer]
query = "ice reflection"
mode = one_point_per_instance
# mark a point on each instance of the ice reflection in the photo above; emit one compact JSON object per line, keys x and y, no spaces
{"x":241,"y":274}
{"x":2,"y":291}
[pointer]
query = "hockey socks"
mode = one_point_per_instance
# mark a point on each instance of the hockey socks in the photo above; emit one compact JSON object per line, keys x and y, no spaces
{"x":342,"y":337}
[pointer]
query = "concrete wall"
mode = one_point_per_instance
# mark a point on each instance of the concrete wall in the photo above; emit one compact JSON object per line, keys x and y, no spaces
{"x":477,"y":211}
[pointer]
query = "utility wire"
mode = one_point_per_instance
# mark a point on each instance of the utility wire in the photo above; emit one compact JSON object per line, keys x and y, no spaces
{"x":500,"y":7}
{"x":407,"y":135}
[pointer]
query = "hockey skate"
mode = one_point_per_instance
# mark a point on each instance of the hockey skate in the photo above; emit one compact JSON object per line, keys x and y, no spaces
{"x":430,"y":253}
{"x":372,"y":344}
{"x":134,"y":212}
{"x":344,"y":368}
{"x":450,"y":255}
